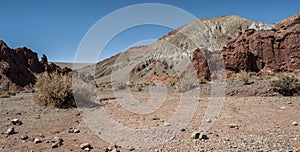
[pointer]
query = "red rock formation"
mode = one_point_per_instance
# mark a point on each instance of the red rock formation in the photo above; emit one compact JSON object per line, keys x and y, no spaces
{"x":266,"y":51}
{"x":18,"y":67}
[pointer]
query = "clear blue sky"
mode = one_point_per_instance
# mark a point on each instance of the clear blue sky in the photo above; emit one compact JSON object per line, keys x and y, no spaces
{"x":56,"y":27}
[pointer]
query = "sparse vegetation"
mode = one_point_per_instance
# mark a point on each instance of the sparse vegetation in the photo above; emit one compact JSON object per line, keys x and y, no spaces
{"x":5,"y":95}
{"x":243,"y":77}
{"x":53,"y":89}
{"x":286,"y":84}
{"x":139,"y":87}
{"x":202,"y":80}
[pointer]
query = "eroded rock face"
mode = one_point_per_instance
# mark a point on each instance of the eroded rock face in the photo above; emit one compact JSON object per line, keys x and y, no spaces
{"x":19,"y":67}
{"x":268,"y":51}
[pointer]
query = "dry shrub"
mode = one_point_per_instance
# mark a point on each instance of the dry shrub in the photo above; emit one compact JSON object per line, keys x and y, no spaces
{"x":54,"y":90}
{"x":5,"y":95}
{"x":244,"y":77}
{"x":202,"y":80}
{"x":286,"y":84}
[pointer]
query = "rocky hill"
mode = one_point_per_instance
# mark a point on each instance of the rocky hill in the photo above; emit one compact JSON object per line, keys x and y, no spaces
{"x":19,"y":68}
{"x":166,"y":57}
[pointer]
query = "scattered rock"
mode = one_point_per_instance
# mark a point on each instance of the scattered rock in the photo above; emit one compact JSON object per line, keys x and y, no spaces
{"x":131,"y":149}
{"x":294,"y":123}
{"x":203,"y":136}
{"x":86,"y":149}
{"x":155,"y":118}
{"x":57,"y":142}
{"x":55,"y":145}
{"x":24,"y":137}
{"x":112,"y":146}
{"x":10,"y":131}
{"x":167,"y":124}
{"x":85,"y":145}
{"x":42,"y":135}
{"x":37,"y":140}
{"x":208,"y":120}
{"x":234,"y":126}
{"x":73,"y":130}
{"x":97,"y":133}
{"x":16,"y":122}
{"x":182,"y":129}
{"x":195,"y":135}
{"x":115,"y":150}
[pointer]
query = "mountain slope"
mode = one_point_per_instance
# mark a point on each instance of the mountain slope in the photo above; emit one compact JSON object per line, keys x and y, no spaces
{"x":168,"y":54}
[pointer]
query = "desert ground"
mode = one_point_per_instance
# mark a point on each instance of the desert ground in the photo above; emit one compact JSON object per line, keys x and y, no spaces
{"x":245,"y":123}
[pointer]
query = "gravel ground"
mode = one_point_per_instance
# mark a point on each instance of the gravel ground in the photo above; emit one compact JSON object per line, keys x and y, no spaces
{"x":244,"y":124}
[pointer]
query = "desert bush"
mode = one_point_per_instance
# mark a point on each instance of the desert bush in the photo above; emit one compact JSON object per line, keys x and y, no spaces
{"x":286,"y":84}
{"x":54,"y":90}
{"x":202,"y":80}
{"x":139,"y":87}
{"x":244,"y":77}
{"x":5,"y":95}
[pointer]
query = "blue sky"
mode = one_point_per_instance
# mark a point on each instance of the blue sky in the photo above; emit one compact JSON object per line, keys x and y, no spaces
{"x":56,"y":27}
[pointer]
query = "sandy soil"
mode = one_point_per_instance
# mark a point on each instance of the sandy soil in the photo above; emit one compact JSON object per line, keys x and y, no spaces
{"x":244,"y":124}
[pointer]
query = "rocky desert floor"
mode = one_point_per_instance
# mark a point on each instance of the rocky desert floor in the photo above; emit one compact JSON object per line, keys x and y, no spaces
{"x":244,"y":124}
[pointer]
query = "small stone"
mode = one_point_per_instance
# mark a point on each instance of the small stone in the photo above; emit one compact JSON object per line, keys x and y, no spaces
{"x":115,"y":150}
{"x":73,"y":130}
{"x":85,"y":145}
{"x":203,"y":136}
{"x":111,"y":147}
{"x":182,"y":129}
{"x":58,"y":141}
{"x":208,"y":120}
{"x":282,"y":107}
{"x":10,"y":131}
{"x":234,"y":126}
{"x":294,"y":123}
{"x":167,"y":124}
{"x":76,"y":130}
{"x":97,"y":133}
{"x":55,"y":145}
{"x":131,"y":149}
{"x":37,"y":140}
{"x":201,"y":150}
{"x":24,"y":137}
{"x":16,"y":122}
{"x":155,"y":118}
{"x":195,"y":135}
{"x":86,"y":149}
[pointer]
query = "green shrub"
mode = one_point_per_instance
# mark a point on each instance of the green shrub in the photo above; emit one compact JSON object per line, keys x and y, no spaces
{"x":54,"y":90}
{"x":286,"y":84}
